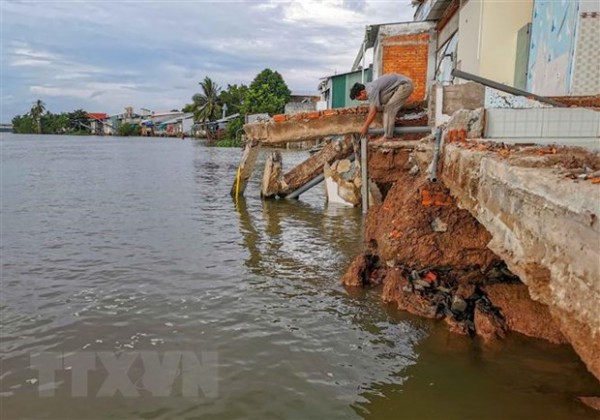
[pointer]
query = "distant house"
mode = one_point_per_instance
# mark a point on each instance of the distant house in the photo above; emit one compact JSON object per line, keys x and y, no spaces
{"x":214,"y":130}
{"x":180,"y":126}
{"x":154,"y":124}
{"x":97,"y":121}
{"x":110,"y":126}
{"x":186,"y":122}
{"x":335,"y":89}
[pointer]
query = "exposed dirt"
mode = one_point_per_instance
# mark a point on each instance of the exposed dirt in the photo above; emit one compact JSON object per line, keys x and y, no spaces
{"x":523,"y":314}
{"x":386,"y":166}
{"x":433,"y":261}
{"x":401,"y":228}
{"x":363,"y":271}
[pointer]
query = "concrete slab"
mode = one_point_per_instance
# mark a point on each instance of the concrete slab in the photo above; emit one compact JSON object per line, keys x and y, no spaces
{"x":590,"y":143}
{"x":547,"y":229}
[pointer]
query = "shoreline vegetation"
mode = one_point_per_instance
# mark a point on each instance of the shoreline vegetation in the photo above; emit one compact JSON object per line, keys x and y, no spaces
{"x":267,"y":94}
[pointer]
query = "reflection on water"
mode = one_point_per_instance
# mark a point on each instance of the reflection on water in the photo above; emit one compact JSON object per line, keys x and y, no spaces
{"x":136,"y":245}
{"x":277,"y":237}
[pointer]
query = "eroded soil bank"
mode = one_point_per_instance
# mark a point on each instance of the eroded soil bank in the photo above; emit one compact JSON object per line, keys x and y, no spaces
{"x":431,"y":258}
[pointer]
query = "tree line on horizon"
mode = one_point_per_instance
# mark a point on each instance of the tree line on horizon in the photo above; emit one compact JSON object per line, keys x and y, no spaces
{"x":267,"y":93}
{"x":41,"y":121}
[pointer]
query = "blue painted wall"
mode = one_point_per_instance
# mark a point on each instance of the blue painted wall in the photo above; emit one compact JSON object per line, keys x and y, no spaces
{"x":553,"y":36}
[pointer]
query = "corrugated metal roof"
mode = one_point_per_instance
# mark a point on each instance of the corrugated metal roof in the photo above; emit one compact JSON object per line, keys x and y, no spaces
{"x":342,"y":74}
{"x":97,"y":115}
{"x":181,"y":117}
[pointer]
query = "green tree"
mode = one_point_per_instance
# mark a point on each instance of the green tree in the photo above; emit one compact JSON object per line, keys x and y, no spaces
{"x":206,"y":103}
{"x":232,"y":133}
{"x":268,"y":93}
{"x":189,"y":108}
{"x":48,"y":122}
{"x":24,"y":124}
{"x":79,"y":121}
{"x":129,"y":130}
{"x":233,"y":98}
{"x":55,"y":123}
{"x":36,"y":112}
{"x":75,"y":122}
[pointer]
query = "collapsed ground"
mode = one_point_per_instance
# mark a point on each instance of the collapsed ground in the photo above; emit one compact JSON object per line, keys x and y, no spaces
{"x":431,"y":257}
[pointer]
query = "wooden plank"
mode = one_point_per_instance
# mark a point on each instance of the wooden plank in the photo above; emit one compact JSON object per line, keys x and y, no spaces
{"x":272,"y":176}
{"x":313,"y":166}
{"x":245,"y":168}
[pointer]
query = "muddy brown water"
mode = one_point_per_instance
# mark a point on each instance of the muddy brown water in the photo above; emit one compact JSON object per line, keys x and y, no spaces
{"x":131,"y":246}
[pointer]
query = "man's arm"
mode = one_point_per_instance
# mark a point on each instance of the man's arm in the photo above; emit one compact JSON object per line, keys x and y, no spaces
{"x":370,"y":118}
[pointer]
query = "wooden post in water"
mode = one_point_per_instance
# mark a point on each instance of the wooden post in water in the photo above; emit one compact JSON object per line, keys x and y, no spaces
{"x":272,"y":177}
{"x":245,"y":169}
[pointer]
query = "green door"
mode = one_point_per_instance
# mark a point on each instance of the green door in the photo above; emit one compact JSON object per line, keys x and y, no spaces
{"x":338,"y":99}
{"x":522,"y":61}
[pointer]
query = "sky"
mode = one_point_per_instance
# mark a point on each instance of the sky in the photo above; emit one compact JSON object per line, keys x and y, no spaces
{"x":104,"y":55}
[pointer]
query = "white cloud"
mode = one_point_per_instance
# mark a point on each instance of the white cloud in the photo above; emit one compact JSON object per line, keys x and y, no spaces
{"x":23,"y":55}
{"x":84,"y":90}
{"x":321,"y":13}
{"x":80,"y":93}
{"x":152,"y":54}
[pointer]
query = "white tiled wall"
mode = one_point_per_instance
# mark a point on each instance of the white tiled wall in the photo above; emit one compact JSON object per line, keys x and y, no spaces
{"x":586,"y":73}
{"x":542,"y":122}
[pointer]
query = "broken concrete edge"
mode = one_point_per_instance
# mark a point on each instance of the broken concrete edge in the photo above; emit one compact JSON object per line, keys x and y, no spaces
{"x":343,"y":184}
{"x":361,"y":109}
{"x":320,"y":124}
{"x":546,"y":230}
{"x":577,"y":330}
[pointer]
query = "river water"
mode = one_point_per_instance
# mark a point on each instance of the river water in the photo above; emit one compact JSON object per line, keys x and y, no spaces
{"x":118,"y":248}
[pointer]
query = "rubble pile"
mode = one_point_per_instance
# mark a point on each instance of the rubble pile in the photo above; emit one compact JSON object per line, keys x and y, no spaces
{"x":487,"y":303}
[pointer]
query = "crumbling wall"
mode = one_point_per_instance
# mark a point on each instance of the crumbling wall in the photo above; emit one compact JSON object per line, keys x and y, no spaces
{"x":544,"y":225}
{"x":433,"y":258}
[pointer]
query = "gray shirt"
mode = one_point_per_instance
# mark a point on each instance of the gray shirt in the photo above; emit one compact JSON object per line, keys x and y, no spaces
{"x":380,"y":90}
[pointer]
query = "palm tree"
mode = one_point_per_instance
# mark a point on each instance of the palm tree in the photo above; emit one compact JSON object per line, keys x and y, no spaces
{"x":36,"y":112}
{"x":206,"y":103}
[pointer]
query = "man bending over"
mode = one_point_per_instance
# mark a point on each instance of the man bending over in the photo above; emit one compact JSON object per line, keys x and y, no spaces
{"x":387,"y":93}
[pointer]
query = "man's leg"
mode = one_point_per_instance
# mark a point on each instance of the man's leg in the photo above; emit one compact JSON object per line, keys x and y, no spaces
{"x":390,"y":110}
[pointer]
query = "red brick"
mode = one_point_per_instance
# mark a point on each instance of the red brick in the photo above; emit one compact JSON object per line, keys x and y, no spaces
{"x":312,"y":115}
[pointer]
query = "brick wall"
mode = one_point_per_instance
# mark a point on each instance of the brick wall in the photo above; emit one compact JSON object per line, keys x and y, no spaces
{"x":579,"y":101}
{"x":407,"y":54}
